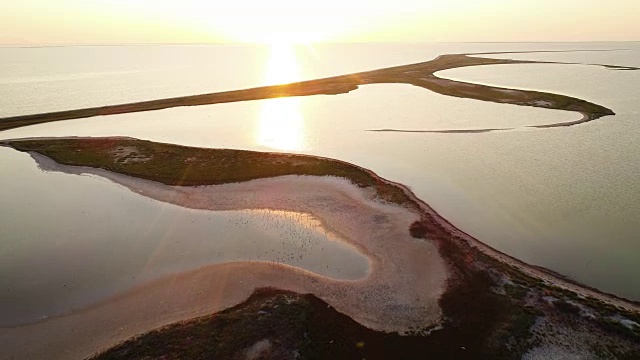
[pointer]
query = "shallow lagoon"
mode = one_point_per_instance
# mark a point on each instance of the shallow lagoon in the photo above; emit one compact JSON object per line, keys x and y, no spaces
{"x":70,"y":240}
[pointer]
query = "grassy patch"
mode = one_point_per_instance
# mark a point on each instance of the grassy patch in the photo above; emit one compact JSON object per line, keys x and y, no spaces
{"x":615,"y":327}
{"x":516,"y":291}
{"x":188,"y":166}
{"x":566,"y":307}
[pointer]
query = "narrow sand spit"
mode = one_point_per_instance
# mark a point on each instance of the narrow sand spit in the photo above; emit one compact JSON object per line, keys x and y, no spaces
{"x":407,"y":277}
{"x":419,"y":74}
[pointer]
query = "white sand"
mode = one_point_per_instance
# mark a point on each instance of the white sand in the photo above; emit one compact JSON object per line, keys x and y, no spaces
{"x":407,"y":278}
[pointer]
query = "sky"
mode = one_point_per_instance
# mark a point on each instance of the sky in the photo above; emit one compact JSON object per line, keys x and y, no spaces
{"x":49,"y":22}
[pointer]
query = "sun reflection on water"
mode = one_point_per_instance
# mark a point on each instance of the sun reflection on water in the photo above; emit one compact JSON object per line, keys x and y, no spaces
{"x":281,"y":121}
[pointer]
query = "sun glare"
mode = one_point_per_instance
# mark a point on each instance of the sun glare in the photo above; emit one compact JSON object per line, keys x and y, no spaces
{"x":281,"y":121}
{"x":282,"y":66}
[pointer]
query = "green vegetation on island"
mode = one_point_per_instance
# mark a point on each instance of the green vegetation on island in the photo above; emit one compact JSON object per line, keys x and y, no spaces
{"x":187,"y":166}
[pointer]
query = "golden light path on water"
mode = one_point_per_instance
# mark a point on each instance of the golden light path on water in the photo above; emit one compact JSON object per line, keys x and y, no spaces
{"x":281,"y":123}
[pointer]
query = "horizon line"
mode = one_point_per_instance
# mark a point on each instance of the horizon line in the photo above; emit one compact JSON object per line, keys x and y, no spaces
{"x":10,"y":45}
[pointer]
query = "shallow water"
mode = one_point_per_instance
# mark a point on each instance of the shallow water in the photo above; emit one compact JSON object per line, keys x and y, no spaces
{"x":564,"y":198}
{"x":70,"y":240}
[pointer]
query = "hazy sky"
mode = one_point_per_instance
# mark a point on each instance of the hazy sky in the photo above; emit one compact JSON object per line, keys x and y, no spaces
{"x":161,"y":21}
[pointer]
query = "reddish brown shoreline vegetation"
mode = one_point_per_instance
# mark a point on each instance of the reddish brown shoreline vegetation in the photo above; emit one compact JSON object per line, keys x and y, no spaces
{"x":420,"y":74}
{"x":491,"y":309}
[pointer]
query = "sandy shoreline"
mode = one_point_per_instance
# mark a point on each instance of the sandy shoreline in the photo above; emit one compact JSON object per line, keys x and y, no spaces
{"x":397,"y":296}
{"x":548,"y":276}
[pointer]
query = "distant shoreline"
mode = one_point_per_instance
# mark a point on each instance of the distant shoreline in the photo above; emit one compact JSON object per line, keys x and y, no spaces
{"x":327,"y":43}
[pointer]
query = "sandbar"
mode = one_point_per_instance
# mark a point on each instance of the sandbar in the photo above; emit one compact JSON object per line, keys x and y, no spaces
{"x":407,"y":279}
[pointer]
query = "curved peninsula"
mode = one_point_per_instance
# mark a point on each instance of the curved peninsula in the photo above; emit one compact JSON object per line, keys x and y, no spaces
{"x":419,"y":74}
{"x":462,"y":299}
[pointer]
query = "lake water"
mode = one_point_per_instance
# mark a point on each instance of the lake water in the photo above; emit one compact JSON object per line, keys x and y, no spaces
{"x":563,"y":198}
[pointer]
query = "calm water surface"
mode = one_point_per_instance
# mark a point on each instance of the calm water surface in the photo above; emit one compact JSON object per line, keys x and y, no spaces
{"x":564,"y":198}
{"x":578,"y":185}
